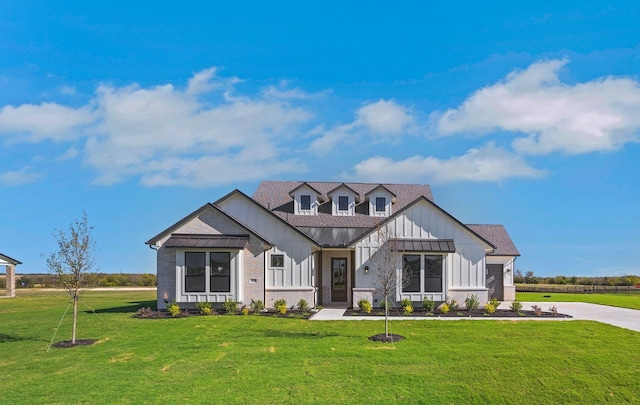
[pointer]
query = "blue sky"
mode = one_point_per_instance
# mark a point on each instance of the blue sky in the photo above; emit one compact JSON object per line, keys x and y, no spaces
{"x":139,"y":113}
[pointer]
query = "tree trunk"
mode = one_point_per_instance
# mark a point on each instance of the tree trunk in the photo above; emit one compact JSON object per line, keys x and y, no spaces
{"x":75,"y":317}
{"x":386,"y":317}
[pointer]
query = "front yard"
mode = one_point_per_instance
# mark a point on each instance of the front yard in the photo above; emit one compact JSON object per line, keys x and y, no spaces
{"x":250,"y":359}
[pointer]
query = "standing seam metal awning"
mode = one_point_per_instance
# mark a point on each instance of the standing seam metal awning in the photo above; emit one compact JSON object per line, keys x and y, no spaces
{"x":207,"y":241}
{"x":424,"y":245}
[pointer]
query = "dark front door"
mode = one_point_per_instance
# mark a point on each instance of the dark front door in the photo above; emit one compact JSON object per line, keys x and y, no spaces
{"x":495,"y":281}
{"x":339,"y":279}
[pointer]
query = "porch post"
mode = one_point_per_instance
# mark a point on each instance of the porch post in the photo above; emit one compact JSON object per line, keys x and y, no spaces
{"x":10,"y":280}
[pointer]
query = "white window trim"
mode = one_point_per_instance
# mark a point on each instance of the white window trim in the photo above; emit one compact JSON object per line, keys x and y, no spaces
{"x":399,"y":290}
{"x":235,"y":282}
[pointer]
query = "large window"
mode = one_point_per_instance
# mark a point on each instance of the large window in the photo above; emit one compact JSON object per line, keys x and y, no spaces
{"x":432,"y":273}
{"x":411,"y":269}
{"x":381,"y":204}
{"x":305,"y":202}
{"x":343,"y":203}
{"x":422,"y":273}
{"x":220,"y":272}
{"x":216,"y":266}
{"x":194,"y":276}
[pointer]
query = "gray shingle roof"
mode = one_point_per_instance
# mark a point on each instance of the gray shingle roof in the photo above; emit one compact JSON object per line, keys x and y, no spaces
{"x":499,"y":237}
{"x":207,"y":241}
{"x":274,"y":195}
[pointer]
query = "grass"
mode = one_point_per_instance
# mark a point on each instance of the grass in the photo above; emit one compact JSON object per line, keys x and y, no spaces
{"x":249,"y":359}
{"x":614,"y":300}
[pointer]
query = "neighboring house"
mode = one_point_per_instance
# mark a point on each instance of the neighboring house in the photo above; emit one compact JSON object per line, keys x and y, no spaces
{"x":315,"y":241}
{"x":10,"y":274}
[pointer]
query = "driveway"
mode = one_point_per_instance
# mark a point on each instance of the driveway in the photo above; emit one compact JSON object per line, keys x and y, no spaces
{"x":621,"y":317}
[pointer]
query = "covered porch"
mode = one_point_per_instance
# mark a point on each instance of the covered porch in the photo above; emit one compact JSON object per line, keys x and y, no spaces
{"x":10,"y":274}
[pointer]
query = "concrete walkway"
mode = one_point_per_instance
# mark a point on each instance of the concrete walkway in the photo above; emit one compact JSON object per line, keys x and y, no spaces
{"x":621,"y":317}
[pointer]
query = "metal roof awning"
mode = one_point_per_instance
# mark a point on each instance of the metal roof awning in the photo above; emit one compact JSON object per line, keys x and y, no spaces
{"x":334,"y":237}
{"x":207,"y":241}
{"x":424,"y":245}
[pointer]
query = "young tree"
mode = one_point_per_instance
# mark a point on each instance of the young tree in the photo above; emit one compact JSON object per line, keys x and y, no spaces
{"x":386,"y":265}
{"x":73,"y":259}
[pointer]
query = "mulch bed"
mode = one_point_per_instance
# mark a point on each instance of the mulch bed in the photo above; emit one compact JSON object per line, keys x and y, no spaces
{"x":147,"y":313}
{"x":66,"y":344}
{"x":461,"y":313}
{"x":388,"y":339}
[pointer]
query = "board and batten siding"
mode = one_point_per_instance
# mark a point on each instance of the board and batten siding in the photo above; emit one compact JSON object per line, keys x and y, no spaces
{"x":298,"y":267}
{"x":464,"y":270}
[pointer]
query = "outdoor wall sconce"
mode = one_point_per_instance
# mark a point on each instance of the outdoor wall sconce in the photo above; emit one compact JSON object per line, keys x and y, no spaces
{"x":366,"y":269}
{"x":508,"y":271}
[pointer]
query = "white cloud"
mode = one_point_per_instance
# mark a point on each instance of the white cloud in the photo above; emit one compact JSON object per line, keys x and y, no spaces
{"x":18,"y":177}
{"x":70,"y":153}
{"x":67,"y":90}
{"x":487,"y":164}
{"x":599,"y":115}
{"x":382,"y":121}
{"x":164,"y":135}
{"x":34,"y":123}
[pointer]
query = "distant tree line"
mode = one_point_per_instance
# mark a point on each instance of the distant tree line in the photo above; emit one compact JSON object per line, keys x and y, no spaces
{"x":90,"y":280}
{"x":530,"y":278}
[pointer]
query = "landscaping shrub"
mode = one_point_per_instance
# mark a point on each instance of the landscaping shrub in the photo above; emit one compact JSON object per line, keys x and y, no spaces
{"x":516,"y":306}
{"x":245,"y":310}
{"x":230,"y":306}
{"x":489,"y":308}
{"x":257,"y":306}
{"x":364,"y":305}
{"x":554,"y":310}
{"x":303,"y":305}
{"x":494,"y":301}
{"x":204,"y":308}
{"x":408,"y":309}
{"x":173,"y":308}
{"x":452,"y":304}
{"x":281,"y":306}
{"x":537,"y":310}
{"x":428,"y":304}
{"x":444,"y":308}
{"x":472,"y":302}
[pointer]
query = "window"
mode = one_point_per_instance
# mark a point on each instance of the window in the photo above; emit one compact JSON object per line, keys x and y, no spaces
{"x":427,"y":278}
{"x":305,"y":202}
{"x":220,"y":265}
{"x":194,"y":276}
{"x":343,"y":203}
{"x":411,"y":269}
{"x":433,"y":273}
{"x":381,"y":204}
{"x":277,"y":260}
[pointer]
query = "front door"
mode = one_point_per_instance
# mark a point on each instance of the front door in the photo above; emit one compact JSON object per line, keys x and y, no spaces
{"x":339,"y":279}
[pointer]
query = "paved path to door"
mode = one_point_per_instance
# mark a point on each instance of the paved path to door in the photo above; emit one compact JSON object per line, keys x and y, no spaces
{"x":621,"y":317}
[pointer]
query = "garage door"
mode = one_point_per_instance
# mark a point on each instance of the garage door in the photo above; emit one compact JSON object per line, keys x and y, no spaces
{"x":495,"y":281}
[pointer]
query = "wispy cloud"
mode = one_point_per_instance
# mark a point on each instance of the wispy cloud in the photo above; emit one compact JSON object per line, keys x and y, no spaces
{"x":18,"y":177}
{"x":487,"y":164}
{"x":381,"y":121}
{"x":167,"y":136}
{"x":598,"y":115}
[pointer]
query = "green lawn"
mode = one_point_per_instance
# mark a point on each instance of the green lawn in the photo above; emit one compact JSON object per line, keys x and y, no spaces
{"x":247,"y":359}
{"x":614,"y":300}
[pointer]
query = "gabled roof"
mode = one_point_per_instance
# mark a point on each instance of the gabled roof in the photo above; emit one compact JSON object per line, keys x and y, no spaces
{"x":499,"y":236}
{"x":434,"y":205}
{"x":274,"y":196}
{"x":342,"y":185}
{"x":9,"y":260}
{"x":304,"y":184}
{"x":196,"y":213}
{"x":264,"y":209}
{"x":382,"y":187}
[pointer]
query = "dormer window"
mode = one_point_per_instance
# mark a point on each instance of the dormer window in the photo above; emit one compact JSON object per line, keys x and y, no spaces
{"x":343,"y":203}
{"x":305,"y":202}
{"x":380,"y":201}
